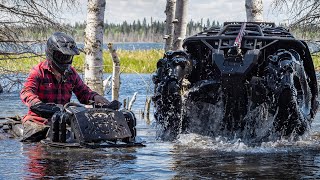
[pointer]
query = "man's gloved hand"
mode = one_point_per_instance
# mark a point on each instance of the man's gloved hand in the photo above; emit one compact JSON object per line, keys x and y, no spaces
{"x":115,"y":105}
{"x":100,"y":100}
{"x":45,"y":110}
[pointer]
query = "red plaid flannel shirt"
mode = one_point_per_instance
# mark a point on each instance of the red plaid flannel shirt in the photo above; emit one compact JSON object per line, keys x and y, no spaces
{"x":42,"y":86}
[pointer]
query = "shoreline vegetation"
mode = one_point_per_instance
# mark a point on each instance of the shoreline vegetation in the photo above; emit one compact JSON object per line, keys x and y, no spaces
{"x":149,"y":30}
{"x":132,"y":61}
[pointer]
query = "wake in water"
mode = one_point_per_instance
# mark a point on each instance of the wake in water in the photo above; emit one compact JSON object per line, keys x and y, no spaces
{"x":257,"y":125}
{"x":223,"y":144}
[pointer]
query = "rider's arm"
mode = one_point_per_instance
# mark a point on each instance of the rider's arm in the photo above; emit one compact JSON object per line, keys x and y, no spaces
{"x":28,"y":93}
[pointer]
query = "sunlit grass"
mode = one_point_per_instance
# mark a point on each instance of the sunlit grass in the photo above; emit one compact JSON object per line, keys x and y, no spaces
{"x":19,"y":63}
{"x":316,"y":61}
{"x":138,"y":61}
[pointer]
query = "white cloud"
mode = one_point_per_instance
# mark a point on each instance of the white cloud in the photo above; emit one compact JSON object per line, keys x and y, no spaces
{"x":118,"y":11}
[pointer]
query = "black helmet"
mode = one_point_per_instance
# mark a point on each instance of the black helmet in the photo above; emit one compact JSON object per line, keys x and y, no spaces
{"x":60,"y":51}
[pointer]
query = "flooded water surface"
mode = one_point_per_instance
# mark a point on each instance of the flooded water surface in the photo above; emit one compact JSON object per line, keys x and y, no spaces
{"x":190,"y":157}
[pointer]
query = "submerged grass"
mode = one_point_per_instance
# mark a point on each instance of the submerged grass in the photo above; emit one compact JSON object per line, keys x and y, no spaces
{"x":316,"y":61}
{"x":138,"y":61}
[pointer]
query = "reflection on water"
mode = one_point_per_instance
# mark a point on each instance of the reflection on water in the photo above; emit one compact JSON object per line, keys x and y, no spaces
{"x":190,"y":157}
{"x":207,"y":164}
{"x":44,"y":162}
{"x":204,"y":158}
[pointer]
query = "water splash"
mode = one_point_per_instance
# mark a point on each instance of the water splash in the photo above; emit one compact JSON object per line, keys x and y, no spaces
{"x":225,"y":144}
{"x":197,"y":141}
{"x":211,"y":119}
{"x":206,"y":130}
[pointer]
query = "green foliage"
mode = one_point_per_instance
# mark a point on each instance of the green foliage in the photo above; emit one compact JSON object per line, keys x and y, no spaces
{"x":18,"y":63}
{"x":139,"y":61}
{"x":316,"y":61}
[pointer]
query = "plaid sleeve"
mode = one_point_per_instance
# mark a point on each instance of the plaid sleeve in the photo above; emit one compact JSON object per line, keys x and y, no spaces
{"x":82,"y":91}
{"x":28,"y":93}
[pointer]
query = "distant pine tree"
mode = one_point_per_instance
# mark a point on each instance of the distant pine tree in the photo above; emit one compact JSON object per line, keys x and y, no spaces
{"x":138,"y":30}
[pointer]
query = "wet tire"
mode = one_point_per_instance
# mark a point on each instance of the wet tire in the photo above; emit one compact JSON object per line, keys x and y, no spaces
{"x":293,"y":114}
{"x":294,"y":96}
{"x":132,"y":122}
{"x":168,"y":116}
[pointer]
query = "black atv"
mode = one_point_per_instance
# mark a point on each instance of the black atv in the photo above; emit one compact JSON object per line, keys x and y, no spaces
{"x":246,"y":80}
{"x":75,"y":126}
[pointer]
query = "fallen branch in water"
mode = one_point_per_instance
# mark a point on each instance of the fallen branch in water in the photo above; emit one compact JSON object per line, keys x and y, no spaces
{"x":106,"y":84}
{"x":133,"y":99}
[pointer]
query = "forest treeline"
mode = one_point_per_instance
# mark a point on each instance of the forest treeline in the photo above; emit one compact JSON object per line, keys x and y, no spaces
{"x":139,"y":30}
{"x":154,"y":31}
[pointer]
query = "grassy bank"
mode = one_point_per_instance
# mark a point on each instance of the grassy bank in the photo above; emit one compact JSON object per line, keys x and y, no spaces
{"x":140,"y":61}
{"x":316,"y":61}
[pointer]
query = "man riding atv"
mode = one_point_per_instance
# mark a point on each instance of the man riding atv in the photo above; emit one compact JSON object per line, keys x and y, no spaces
{"x":50,"y":85}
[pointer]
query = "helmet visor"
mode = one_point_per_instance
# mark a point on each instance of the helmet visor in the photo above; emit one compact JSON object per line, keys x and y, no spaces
{"x":61,"y":58}
{"x":69,"y":48}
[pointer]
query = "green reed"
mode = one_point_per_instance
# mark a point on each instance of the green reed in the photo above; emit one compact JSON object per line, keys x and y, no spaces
{"x":138,"y":61}
{"x":316,"y":61}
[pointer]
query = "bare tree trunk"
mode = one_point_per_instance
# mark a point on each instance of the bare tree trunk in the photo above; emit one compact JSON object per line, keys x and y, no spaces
{"x":169,"y":29}
{"x":180,"y":28}
{"x":93,"y":45}
{"x":148,"y":102}
{"x":254,"y":9}
{"x":115,"y":72}
{"x":133,"y":99}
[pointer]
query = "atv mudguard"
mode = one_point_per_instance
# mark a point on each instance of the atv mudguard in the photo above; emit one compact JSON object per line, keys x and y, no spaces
{"x":80,"y":127}
{"x":97,"y":124}
{"x":92,"y":127}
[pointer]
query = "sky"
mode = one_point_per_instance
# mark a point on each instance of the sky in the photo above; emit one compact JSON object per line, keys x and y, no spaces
{"x":118,"y":11}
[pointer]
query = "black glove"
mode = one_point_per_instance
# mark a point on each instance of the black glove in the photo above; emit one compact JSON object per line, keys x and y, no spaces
{"x":114,"y":105}
{"x":44,"y":110}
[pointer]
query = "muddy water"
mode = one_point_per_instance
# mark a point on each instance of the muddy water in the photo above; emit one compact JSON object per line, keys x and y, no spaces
{"x":190,"y":157}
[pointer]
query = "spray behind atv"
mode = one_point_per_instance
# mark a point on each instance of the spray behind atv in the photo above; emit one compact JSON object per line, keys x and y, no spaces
{"x":252,"y":81}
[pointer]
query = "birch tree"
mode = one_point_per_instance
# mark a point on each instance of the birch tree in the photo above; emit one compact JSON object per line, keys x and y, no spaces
{"x":180,"y":27}
{"x":254,"y":10}
{"x":93,"y":45}
{"x":169,"y":28}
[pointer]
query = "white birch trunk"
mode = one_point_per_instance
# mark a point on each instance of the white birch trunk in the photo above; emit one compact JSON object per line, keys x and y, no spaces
{"x":254,"y":9}
{"x":169,"y":29}
{"x":115,"y":73}
{"x":180,"y":28}
{"x":93,"y":44}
